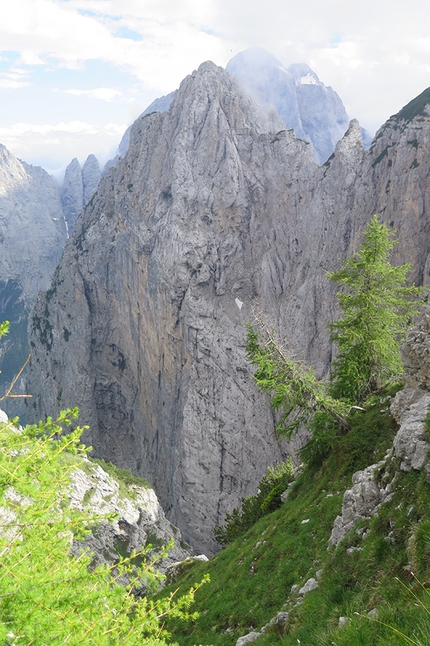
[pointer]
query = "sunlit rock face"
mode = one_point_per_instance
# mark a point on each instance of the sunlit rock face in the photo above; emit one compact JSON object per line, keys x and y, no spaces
{"x":214,"y":207}
{"x":314,"y":111}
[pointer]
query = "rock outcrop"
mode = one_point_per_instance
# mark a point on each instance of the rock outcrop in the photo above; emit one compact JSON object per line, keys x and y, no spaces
{"x":139,"y":522}
{"x":374,"y":486}
{"x":214,"y":206}
{"x":140,"y":519}
{"x":415,"y":353}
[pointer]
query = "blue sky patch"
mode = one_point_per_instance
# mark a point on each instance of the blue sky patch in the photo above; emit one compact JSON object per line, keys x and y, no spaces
{"x":125,"y":32}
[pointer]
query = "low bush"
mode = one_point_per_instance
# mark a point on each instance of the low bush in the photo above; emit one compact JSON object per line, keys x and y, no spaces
{"x":268,"y":498}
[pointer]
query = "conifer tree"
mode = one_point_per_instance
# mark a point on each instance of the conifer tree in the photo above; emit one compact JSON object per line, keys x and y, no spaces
{"x":376,"y":309}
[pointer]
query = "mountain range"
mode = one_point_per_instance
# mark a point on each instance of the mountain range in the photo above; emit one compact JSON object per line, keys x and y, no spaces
{"x":214,"y":210}
{"x":19,"y":283}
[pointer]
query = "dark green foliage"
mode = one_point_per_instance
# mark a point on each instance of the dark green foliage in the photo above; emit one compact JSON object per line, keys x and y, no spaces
{"x":264,"y":502}
{"x":376,"y":310}
{"x":325,"y":433}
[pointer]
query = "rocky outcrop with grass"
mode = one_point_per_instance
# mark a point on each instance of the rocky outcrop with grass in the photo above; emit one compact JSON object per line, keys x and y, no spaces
{"x":129,"y":517}
{"x":410,"y":407}
{"x":139,"y":521}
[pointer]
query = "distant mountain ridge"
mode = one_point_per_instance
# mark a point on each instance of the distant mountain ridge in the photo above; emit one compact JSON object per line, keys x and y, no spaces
{"x":314,"y":111}
{"x":32,"y":236}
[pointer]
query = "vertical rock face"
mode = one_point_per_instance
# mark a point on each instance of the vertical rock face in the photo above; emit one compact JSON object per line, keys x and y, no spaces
{"x":32,"y":228}
{"x":32,"y":234}
{"x":145,"y":319}
{"x":72,"y":193}
{"x":214,"y":206}
{"x":315,"y":112}
{"x":79,"y":185}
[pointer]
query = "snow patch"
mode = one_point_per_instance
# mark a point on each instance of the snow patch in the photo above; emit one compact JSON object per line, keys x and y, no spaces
{"x":308,"y":80}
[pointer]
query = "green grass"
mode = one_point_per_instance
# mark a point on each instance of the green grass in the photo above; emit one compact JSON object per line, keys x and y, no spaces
{"x":250,"y":584}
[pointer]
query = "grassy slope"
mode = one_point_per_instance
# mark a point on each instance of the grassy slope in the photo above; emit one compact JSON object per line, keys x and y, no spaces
{"x":250,"y":583}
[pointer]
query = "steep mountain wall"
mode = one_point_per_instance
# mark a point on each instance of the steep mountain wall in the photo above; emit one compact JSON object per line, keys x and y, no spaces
{"x":214,"y":207}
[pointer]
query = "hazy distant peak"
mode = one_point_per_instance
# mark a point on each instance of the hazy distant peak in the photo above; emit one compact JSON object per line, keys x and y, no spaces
{"x":254,"y":57}
{"x":162,"y":104}
{"x":314,"y":111}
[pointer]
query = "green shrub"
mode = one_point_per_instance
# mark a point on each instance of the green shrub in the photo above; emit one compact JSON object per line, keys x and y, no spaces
{"x":268,"y":499}
{"x":325,"y":432}
{"x":47,"y":596}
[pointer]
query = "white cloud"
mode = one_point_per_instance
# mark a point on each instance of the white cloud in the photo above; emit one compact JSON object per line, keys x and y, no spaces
{"x":54,"y":145}
{"x":70,"y":127}
{"x":376,"y":56}
{"x":14,"y":79}
{"x":101,"y":93}
{"x":173,"y":41}
{"x":10,"y":84}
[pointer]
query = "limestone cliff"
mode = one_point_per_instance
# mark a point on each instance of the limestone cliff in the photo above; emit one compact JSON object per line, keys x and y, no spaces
{"x":214,"y":206}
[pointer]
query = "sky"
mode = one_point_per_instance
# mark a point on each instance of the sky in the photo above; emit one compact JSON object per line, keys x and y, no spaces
{"x":75,"y":73}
